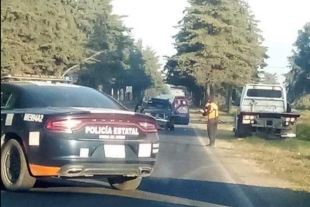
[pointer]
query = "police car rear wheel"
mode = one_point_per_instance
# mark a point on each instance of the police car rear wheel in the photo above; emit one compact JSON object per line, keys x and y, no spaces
{"x":125,"y":183}
{"x":14,"y":171}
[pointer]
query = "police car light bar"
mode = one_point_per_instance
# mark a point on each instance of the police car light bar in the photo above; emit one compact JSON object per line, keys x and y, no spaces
{"x":25,"y":77}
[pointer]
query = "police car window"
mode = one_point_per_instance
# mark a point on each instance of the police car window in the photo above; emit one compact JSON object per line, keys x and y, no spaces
{"x":4,"y":99}
{"x":7,"y":100}
{"x":57,"y":96}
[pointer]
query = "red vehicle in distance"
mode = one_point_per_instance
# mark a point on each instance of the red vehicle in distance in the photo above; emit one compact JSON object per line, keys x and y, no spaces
{"x":180,"y":108}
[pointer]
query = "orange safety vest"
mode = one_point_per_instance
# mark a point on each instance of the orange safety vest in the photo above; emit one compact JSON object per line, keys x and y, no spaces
{"x":213,"y":111}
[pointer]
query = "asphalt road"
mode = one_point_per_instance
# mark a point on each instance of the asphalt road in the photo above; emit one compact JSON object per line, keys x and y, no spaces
{"x":187,"y":173}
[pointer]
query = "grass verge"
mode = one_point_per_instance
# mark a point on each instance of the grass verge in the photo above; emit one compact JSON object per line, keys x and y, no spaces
{"x":288,"y":159}
{"x":303,"y":126}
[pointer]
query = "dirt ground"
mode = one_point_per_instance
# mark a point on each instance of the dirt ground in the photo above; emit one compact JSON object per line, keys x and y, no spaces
{"x":239,"y":161}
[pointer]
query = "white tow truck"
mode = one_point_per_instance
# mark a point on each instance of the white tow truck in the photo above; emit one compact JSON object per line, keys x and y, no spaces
{"x":263,"y":108}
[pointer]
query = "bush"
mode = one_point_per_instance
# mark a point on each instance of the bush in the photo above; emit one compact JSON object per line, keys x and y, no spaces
{"x":303,"y":132}
{"x":303,"y":102}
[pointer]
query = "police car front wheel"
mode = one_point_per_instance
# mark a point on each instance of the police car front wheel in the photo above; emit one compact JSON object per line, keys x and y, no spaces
{"x":125,"y":183}
{"x":14,"y":171}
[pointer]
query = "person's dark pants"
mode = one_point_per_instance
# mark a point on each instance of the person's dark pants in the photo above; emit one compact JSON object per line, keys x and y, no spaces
{"x":212,"y":128}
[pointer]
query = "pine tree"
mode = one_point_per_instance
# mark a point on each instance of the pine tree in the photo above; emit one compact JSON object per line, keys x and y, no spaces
{"x":218,"y":43}
{"x":298,"y":79}
{"x":38,"y":37}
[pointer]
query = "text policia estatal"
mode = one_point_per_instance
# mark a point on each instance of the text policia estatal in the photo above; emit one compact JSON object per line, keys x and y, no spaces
{"x":107,"y":130}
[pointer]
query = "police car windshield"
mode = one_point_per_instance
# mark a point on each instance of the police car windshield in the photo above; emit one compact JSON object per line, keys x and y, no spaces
{"x":64,"y":96}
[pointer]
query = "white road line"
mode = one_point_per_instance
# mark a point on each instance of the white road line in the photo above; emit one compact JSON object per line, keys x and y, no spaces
{"x":242,"y":196}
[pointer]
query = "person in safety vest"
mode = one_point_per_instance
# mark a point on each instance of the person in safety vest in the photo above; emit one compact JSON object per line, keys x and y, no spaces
{"x":212,"y":112}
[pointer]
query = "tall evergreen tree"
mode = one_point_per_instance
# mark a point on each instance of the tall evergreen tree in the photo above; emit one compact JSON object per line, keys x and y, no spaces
{"x":48,"y":37}
{"x":218,"y":42}
{"x":38,"y":37}
{"x":152,"y":68}
{"x":298,"y":79}
{"x":269,"y":78}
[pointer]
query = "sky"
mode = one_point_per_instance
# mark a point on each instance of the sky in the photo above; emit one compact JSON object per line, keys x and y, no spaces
{"x":153,"y":21}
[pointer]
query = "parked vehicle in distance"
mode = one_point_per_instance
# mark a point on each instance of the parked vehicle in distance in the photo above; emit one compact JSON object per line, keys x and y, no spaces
{"x":263,"y":108}
{"x":180,"y":108}
{"x":70,"y":131}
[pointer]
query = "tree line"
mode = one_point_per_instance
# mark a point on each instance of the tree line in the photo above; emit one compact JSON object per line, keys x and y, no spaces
{"x":48,"y":37}
{"x":219,"y":48}
{"x":298,"y":79}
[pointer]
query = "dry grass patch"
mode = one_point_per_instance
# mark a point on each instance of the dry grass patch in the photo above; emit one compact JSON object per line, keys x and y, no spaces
{"x":287,"y":159}
{"x":304,"y":117}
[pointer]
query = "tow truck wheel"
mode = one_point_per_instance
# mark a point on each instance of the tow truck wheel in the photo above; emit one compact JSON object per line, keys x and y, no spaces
{"x":241,"y":131}
{"x":14,"y":170}
{"x":125,"y":183}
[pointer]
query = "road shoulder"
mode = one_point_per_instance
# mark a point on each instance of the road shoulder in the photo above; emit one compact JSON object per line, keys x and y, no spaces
{"x":245,"y":170}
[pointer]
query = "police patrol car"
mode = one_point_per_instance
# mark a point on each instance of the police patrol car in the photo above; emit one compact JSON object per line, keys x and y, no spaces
{"x":52,"y":129}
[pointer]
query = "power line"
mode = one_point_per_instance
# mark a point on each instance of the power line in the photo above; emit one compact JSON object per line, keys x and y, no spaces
{"x":278,"y":66}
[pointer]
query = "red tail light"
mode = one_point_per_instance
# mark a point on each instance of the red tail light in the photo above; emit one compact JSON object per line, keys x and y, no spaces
{"x":148,"y":127}
{"x":65,"y":125}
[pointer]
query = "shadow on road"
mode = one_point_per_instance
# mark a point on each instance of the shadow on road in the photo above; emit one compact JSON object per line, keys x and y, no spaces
{"x":224,"y":193}
{"x":178,"y":131}
{"x":198,"y":121}
{"x":67,"y":193}
{"x":153,"y":192}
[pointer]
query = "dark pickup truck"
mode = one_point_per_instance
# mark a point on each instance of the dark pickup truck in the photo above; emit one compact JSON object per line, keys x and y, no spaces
{"x":161,"y":110}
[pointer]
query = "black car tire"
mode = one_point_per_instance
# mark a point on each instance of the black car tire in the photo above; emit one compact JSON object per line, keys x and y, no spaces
{"x":23,"y":180}
{"x":242,"y":131}
{"x":125,"y":183}
{"x":167,"y":126}
{"x":171,"y":125}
